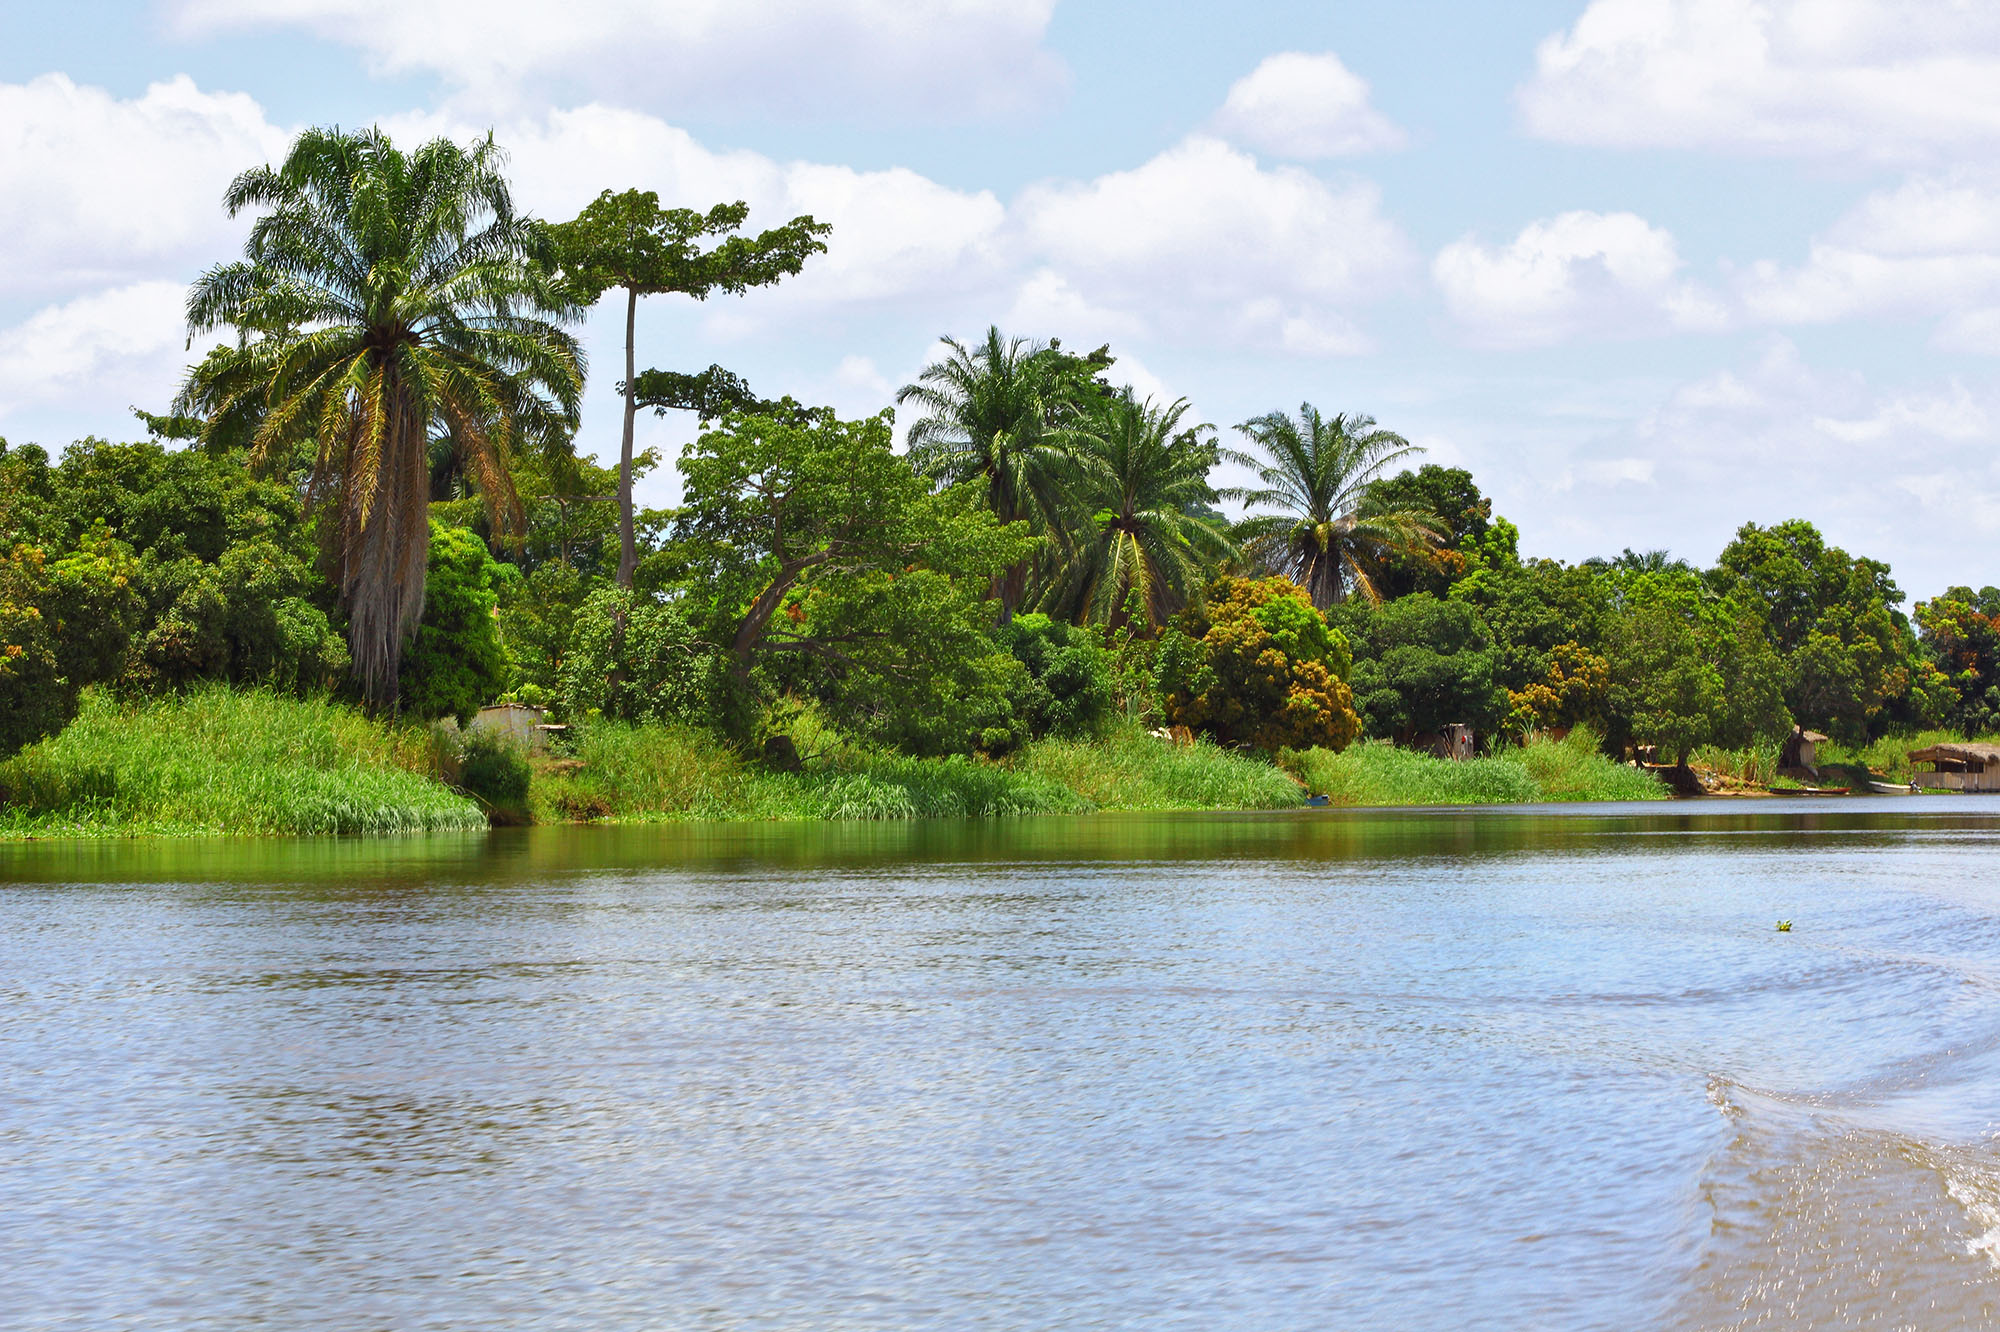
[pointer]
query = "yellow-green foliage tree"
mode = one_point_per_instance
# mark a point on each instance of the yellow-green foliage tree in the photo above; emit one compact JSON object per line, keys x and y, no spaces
{"x":1254,"y":664}
{"x":35,"y":700}
{"x":1576,"y":692}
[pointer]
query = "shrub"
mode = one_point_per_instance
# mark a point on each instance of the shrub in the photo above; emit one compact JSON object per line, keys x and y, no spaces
{"x":1257,"y":665}
{"x":1067,"y":687}
{"x":493,"y":768}
{"x":455,"y":665}
{"x":217,"y":760}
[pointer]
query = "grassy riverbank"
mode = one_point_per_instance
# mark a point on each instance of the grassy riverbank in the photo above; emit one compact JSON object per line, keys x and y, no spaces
{"x":226,"y":761}
{"x":250,"y":762}
{"x":637,"y":773}
{"x":1542,"y":770}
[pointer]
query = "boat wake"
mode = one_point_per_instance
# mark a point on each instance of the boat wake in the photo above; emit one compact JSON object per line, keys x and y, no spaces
{"x":1825,"y":1214}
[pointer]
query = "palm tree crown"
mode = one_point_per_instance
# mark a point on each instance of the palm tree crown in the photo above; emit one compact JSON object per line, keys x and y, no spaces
{"x":385,"y":299}
{"x":1004,"y":412}
{"x":1139,"y":515}
{"x":1314,"y":471}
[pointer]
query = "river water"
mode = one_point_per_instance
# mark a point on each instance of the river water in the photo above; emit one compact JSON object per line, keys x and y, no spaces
{"x":1544,"y":1069}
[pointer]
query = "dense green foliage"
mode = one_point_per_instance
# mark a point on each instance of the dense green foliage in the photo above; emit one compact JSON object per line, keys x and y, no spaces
{"x":455,"y":664}
{"x":379,"y":500}
{"x":1420,"y":665}
{"x":1255,"y":664}
{"x":1962,"y":630}
{"x":385,"y":300}
{"x":217,"y":760}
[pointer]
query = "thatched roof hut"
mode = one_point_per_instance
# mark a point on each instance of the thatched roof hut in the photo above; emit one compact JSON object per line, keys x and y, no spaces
{"x":1959,"y":766}
{"x":1801,"y":750}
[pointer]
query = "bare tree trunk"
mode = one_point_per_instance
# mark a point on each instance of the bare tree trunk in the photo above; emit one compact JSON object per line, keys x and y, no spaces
{"x":1323,"y":582}
{"x":383,"y":556}
{"x":628,"y":541}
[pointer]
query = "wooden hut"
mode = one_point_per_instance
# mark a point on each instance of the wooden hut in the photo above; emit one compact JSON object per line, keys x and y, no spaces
{"x":1801,"y":757}
{"x":1957,"y":767}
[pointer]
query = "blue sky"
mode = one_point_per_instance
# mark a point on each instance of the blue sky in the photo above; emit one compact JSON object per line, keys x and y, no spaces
{"x":1650,"y":268}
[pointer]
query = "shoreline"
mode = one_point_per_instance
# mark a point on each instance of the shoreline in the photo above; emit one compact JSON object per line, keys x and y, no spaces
{"x":1676,"y":804}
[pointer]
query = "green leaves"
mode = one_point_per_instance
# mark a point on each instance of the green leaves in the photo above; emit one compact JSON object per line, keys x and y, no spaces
{"x":1315,"y":473}
{"x":627,"y":240}
{"x":1256,"y":665}
{"x":383,"y":298}
{"x":816,"y":557}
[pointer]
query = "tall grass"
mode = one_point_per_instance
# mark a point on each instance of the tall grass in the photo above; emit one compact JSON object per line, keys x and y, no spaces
{"x":1890,"y":755}
{"x":1381,"y":774}
{"x":218,"y":760}
{"x":1575,"y":768}
{"x":1542,"y":770}
{"x":1131,"y":770}
{"x":663,"y":772}
{"x":1752,"y":765}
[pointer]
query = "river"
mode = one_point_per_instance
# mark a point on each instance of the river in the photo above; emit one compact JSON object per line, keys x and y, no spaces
{"x":1508,"y":1069}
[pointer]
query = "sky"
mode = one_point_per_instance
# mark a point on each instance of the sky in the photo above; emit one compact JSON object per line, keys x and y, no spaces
{"x":1650,"y":269}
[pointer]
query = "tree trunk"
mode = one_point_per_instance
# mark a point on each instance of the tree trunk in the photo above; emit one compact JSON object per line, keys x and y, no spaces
{"x":383,"y":557}
{"x":1323,"y":582}
{"x":628,"y":540}
{"x":1010,"y":587}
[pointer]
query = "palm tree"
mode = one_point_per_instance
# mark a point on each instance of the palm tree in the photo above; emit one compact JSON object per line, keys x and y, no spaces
{"x":386,"y":301}
{"x":1314,"y":472}
{"x":1003,"y":412}
{"x":1140,"y":517}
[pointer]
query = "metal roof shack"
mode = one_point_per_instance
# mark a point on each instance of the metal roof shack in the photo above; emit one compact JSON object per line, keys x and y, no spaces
{"x":1958,"y":767}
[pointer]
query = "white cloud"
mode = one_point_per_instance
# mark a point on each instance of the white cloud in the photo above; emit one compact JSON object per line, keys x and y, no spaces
{"x":1873,"y":79}
{"x":1048,"y":303}
{"x":1781,"y":439}
{"x":98,"y":189}
{"x":125,"y":345}
{"x":1305,"y":106}
{"x":1930,"y":246}
{"x":895,"y":233}
{"x":1574,"y":274}
{"x":1201,"y":242}
{"x":1952,"y":415}
{"x":954,"y":59}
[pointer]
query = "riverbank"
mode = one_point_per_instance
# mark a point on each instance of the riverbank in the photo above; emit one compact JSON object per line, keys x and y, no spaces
{"x":1542,"y":771}
{"x":248,"y":762}
{"x":223,"y":761}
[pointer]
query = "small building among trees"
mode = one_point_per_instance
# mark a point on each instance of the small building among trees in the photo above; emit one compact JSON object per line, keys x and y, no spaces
{"x":1801,"y":752}
{"x":1957,"y":767}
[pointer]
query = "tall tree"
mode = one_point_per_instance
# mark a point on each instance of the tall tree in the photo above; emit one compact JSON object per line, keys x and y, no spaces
{"x":1464,"y":517}
{"x":1315,"y":472}
{"x":1139,"y":518}
{"x":385,"y":297}
{"x":1848,"y":651}
{"x":627,"y":240}
{"x":809,"y":541}
{"x":1006,"y":413}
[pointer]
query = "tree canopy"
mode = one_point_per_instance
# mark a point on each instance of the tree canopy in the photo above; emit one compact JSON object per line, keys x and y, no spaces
{"x":385,"y":297}
{"x":627,"y":240}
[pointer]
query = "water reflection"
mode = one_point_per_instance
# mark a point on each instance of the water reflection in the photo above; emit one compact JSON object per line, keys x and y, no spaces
{"x":1508,"y":1069}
